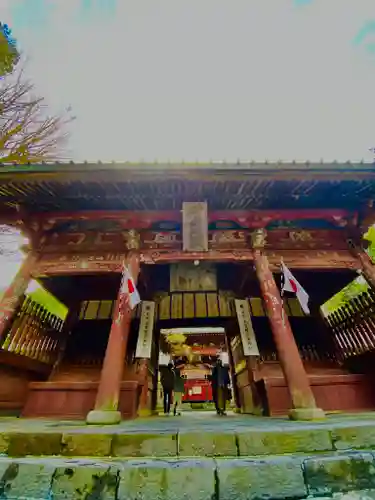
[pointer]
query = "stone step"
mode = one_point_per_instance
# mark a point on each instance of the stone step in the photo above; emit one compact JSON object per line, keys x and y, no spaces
{"x":247,"y":478}
{"x":93,"y":441}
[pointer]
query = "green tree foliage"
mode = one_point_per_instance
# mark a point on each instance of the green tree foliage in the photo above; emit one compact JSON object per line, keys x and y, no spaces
{"x":9,"y":55}
{"x":369,"y":236}
{"x":356,"y":287}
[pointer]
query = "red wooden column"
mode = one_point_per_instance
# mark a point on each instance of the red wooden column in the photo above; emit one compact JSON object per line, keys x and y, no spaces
{"x":13,"y":295}
{"x":107,"y":400}
{"x":144,"y":410}
{"x":303,"y":401}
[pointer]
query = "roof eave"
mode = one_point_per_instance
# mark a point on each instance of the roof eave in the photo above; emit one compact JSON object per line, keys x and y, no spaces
{"x":131,"y":169}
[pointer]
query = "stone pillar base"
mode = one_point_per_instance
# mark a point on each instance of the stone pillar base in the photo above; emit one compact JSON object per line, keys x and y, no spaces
{"x":144,"y":412}
{"x":306,"y":414}
{"x":103,"y":417}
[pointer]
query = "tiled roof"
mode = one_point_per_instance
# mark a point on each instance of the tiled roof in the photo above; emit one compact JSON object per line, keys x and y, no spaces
{"x":219,"y":164}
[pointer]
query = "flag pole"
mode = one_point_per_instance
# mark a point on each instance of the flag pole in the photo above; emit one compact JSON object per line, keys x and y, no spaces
{"x":282,"y":291}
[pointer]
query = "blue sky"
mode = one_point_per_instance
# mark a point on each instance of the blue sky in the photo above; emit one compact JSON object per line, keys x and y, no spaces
{"x":205,"y":79}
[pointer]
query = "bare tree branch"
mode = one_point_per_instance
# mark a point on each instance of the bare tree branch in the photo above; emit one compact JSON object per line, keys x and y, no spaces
{"x":27,"y":133}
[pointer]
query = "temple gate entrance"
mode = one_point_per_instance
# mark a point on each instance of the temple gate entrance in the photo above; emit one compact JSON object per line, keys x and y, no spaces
{"x":194,"y":350}
{"x":66,"y":387}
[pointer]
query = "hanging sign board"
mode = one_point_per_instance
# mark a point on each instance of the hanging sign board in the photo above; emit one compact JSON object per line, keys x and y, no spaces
{"x":249,"y":343}
{"x":194,"y":227}
{"x":146,"y":328}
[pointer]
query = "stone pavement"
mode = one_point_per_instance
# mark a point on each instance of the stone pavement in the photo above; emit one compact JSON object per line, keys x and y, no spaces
{"x":197,"y":456}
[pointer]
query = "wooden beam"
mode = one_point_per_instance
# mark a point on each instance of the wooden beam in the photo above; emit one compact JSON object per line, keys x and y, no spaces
{"x":23,"y":362}
{"x":87,"y":263}
{"x":144,"y":219}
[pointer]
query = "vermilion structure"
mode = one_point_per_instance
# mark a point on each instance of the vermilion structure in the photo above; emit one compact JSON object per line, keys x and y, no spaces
{"x":192,"y":260}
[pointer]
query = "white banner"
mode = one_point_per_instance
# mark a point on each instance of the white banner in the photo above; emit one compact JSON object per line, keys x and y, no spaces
{"x":145,"y":332}
{"x":249,"y":343}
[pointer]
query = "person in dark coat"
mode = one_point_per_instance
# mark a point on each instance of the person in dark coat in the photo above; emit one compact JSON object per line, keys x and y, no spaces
{"x":167,"y":382}
{"x":178,"y":389}
{"x":220,"y":382}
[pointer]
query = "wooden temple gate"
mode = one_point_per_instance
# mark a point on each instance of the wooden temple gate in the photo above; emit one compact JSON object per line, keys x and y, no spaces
{"x":83,"y":222}
{"x":36,"y":336}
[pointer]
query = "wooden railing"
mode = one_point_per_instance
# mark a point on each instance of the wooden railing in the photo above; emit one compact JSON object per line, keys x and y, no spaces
{"x":353,"y":326}
{"x":35,"y":333}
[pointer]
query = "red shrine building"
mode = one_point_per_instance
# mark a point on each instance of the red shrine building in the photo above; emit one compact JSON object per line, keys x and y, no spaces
{"x":204,"y":243}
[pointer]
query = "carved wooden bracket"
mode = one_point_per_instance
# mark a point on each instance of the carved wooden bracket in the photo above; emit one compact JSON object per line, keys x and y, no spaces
{"x":133,"y":239}
{"x":258,"y":239}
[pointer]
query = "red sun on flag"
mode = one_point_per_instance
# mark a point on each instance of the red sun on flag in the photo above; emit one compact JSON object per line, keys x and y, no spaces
{"x":130,"y":286}
{"x":293,"y":285}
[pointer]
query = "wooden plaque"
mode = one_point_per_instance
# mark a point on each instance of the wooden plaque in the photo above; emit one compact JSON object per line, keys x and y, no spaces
{"x":195,"y":227}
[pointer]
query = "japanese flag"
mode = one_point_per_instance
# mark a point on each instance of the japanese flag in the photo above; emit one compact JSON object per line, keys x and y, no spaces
{"x":292,"y":285}
{"x":128,"y":292}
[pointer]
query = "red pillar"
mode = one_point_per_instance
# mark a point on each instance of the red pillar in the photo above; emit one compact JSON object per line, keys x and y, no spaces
{"x":13,"y":295}
{"x":303,"y":401}
{"x":144,"y":410}
{"x":108,"y":396}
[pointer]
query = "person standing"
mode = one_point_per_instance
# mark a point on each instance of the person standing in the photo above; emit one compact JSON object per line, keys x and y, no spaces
{"x":167,"y":382}
{"x":220,"y":382}
{"x":178,"y":389}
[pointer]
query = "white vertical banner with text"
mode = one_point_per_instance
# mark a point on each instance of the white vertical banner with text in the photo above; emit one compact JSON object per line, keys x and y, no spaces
{"x":249,"y":343}
{"x":145,"y":332}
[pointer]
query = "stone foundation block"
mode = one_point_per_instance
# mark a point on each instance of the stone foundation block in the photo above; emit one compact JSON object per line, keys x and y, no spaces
{"x":25,"y":480}
{"x":167,"y":480}
{"x":354,"y":437}
{"x":86,"y":445}
{"x":34,"y":444}
{"x":84,"y":483}
{"x":245,"y":479}
{"x":103,"y":417}
{"x":351,"y":495}
{"x":327,"y":475}
{"x":144,"y":445}
{"x":306,"y":414}
{"x":280,"y":442}
{"x":207,"y":444}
